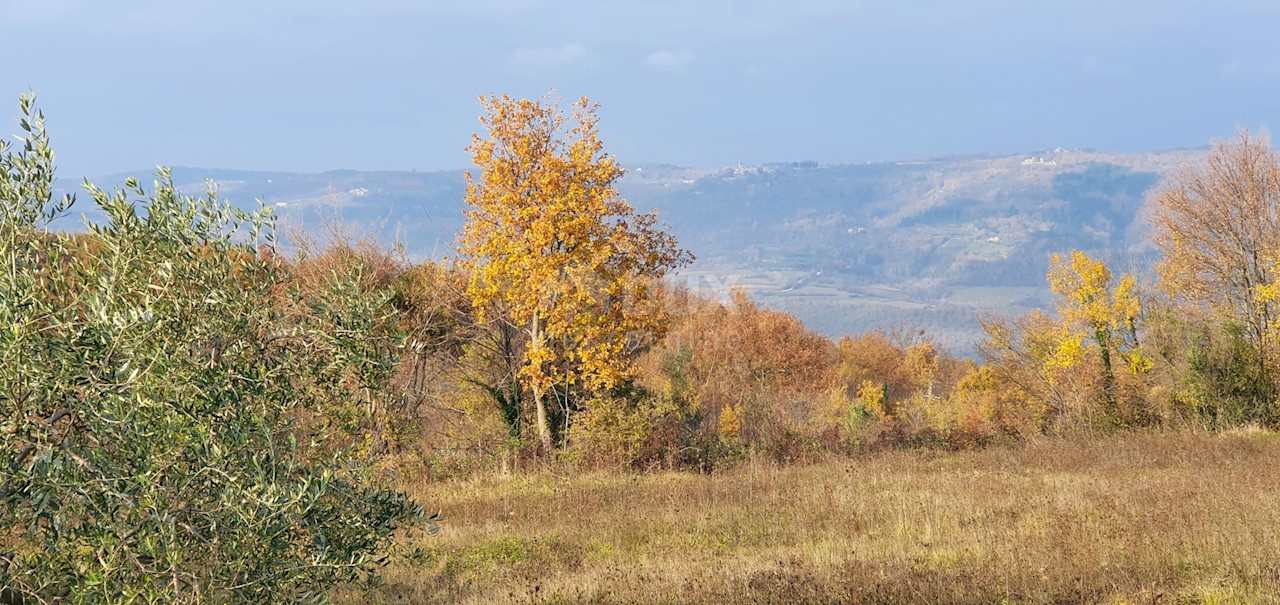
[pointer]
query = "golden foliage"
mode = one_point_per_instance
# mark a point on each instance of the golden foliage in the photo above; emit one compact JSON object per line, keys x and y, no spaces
{"x":922,"y":365}
{"x":730,"y":422}
{"x":871,"y":396}
{"x":624,"y":432}
{"x":552,"y":247}
{"x":738,"y":364}
{"x":1085,"y":297}
{"x":1039,"y":356}
{"x":983,"y":406}
{"x":872,"y":357}
{"x":1086,"y":300}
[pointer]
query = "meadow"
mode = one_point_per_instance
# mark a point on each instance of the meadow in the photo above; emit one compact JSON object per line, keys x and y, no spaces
{"x":1135,"y":518}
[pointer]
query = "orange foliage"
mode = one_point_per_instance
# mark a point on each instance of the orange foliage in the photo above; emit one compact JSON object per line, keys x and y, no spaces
{"x":554,"y":250}
{"x":871,"y":357}
{"x":746,"y":371}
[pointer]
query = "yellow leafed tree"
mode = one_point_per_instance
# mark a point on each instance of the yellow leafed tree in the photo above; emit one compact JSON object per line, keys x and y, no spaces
{"x":1085,"y":298}
{"x":553,"y":249}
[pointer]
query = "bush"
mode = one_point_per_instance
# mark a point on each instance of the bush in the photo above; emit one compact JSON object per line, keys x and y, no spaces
{"x":750,"y":378}
{"x":151,"y":387}
{"x":1227,"y":383}
{"x":628,"y":429}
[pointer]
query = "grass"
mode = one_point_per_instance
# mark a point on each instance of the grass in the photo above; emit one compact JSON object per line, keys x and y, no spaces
{"x":1140,"y":518}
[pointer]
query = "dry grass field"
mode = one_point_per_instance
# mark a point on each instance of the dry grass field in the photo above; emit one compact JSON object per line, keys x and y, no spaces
{"x":1139,"y":518}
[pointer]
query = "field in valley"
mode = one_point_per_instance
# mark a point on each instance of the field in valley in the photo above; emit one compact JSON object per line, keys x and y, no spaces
{"x":1138,"y":518}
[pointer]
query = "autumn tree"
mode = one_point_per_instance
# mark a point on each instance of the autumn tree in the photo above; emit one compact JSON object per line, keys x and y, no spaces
{"x":553,"y":248}
{"x":922,"y":365}
{"x":1038,"y":355}
{"x":1218,"y":227}
{"x":871,"y":359}
{"x":1086,"y":299}
{"x":754,"y":374}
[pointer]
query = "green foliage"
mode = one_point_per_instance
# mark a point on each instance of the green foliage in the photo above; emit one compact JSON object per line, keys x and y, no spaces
{"x":344,"y":297}
{"x":627,"y":429}
{"x":1226,"y":382}
{"x":162,"y":412}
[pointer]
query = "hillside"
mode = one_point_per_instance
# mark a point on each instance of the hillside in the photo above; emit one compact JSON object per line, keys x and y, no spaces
{"x":930,"y":244}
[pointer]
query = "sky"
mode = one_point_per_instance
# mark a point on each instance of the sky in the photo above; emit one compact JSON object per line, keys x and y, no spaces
{"x":319,"y":85}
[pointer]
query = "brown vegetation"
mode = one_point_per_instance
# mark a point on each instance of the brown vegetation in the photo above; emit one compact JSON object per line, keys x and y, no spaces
{"x":1219,"y":230}
{"x":1140,"y":518}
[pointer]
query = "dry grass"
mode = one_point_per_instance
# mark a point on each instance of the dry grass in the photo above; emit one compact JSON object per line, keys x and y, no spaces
{"x":1168,"y":518}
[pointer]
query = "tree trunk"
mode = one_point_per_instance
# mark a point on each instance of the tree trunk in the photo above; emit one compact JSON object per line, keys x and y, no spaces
{"x":539,"y":404}
{"x":544,"y":427}
{"x":1108,"y":376}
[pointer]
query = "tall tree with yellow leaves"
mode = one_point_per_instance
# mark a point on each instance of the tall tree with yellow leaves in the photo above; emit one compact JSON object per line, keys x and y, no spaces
{"x":553,"y":249}
{"x":1085,"y":298}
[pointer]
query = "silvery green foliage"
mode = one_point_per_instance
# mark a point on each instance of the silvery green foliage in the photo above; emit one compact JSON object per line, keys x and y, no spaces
{"x":150,"y":395}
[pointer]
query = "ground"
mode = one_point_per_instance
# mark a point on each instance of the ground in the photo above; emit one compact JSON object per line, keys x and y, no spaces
{"x":1137,"y":518}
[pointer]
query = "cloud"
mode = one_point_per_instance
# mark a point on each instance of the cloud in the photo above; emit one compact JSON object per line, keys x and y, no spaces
{"x":544,"y":58}
{"x":668,"y":60}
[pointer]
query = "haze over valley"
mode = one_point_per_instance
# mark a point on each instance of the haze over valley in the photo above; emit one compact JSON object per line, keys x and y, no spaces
{"x":927,"y":244}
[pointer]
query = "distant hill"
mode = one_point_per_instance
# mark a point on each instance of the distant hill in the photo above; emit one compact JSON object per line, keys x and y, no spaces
{"x":847,"y":248}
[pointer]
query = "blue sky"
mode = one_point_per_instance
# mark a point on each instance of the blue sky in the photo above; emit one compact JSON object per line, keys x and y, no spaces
{"x":392,"y":84}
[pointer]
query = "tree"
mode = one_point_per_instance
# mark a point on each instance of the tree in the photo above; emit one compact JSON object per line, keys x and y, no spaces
{"x":151,"y":391}
{"x":1037,"y":354}
{"x":1085,"y":298}
{"x":1218,"y":228}
{"x":921,"y":363}
{"x":553,"y":249}
{"x":757,"y":371}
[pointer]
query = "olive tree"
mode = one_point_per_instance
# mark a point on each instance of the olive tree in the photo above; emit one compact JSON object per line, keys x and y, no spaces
{"x":161,"y":432}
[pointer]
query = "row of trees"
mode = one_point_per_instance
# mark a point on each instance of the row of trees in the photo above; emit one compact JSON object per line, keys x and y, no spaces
{"x":1196,"y":348}
{"x":587,"y":355}
{"x":1200,"y":345}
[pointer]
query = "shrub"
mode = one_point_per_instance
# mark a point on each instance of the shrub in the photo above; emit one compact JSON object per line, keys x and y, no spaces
{"x":150,"y":388}
{"x":751,"y":378}
{"x":626,"y":430}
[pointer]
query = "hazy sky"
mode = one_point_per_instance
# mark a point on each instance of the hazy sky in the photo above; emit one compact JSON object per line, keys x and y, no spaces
{"x":392,"y":84}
